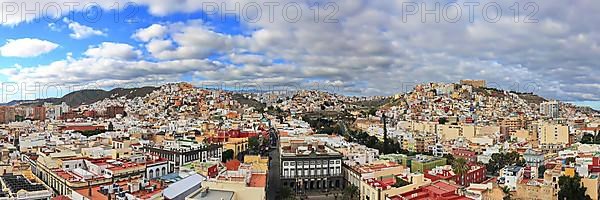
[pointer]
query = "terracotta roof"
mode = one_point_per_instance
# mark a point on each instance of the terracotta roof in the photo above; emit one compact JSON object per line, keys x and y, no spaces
{"x":233,"y":165}
{"x":258,"y":180}
{"x":62,"y":197}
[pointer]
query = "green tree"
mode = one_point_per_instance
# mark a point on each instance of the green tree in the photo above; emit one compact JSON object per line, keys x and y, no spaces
{"x":449,"y":158}
{"x":587,"y":139}
{"x":501,"y":160}
{"x":571,"y":188}
{"x":460,"y":167}
{"x":350,"y":193}
{"x":541,"y":170}
{"x":569,"y":160}
{"x":227,"y":155}
{"x":507,"y":194}
{"x":285,"y":193}
{"x":590,"y":139}
{"x":253,"y":144}
{"x":442,"y":120}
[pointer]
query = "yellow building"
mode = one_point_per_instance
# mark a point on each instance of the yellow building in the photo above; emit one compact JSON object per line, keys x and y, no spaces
{"x":523,"y":135}
{"x":592,"y":183}
{"x":258,"y":163}
{"x":452,"y":132}
{"x":474,"y":83}
{"x":237,"y":145}
{"x":553,"y":134}
{"x":536,"y":190}
{"x":449,"y":132}
{"x":569,"y":171}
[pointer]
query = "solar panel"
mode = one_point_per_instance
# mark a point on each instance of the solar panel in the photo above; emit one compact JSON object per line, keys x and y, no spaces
{"x":19,"y":182}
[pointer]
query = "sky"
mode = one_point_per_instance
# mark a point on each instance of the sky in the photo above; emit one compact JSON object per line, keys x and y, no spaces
{"x":355,"y":47}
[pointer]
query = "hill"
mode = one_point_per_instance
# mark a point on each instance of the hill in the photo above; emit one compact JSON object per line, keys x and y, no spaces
{"x":81,"y":97}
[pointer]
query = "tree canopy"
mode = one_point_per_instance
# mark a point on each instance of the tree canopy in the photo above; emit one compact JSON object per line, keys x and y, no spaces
{"x":227,"y":155}
{"x":501,"y":160}
{"x":571,"y":188}
{"x":590,"y":139}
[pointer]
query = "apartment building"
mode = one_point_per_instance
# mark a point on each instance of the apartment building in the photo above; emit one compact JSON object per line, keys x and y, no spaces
{"x":181,"y":152}
{"x":552,"y":136}
{"x":550,"y":109}
{"x":309,"y":165}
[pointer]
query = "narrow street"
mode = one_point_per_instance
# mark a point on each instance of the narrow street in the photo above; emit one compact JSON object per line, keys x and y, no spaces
{"x":274,"y":182}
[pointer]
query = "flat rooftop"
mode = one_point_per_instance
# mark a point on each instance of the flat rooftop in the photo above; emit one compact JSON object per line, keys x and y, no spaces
{"x":212,"y":194}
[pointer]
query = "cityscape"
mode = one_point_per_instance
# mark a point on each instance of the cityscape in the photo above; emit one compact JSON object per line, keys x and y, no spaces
{"x":299,"y":100}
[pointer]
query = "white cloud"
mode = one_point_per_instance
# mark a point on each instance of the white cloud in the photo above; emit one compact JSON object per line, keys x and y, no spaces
{"x":371,"y":50}
{"x":54,"y":27}
{"x":26,"y":47}
{"x":192,"y":39}
{"x":155,"y":31}
{"x":114,"y":50}
{"x":82,"y":31}
{"x":93,"y":70}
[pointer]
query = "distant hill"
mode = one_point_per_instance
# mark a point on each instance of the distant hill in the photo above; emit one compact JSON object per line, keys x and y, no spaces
{"x":247,"y":101}
{"x":81,"y":97}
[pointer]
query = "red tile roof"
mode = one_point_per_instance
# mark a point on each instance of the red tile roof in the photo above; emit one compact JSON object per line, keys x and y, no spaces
{"x":233,"y":165}
{"x":62,"y":197}
{"x":258,"y":180}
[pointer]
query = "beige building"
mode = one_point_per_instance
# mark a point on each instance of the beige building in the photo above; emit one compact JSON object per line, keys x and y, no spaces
{"x":240,"y":189}
{"x":535,"y":190}
{"x":452,"y":132}
{"x":427,"y":127}
{"x":381,"y":168}
{"x":237,"y":145}
{"x":474,"y":83}
{"x":553,"y":134}
{"x":592,"y":183}
{"x":378,"y":189}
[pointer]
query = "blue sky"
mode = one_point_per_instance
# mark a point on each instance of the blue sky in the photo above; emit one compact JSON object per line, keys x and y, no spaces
{"x":353,"y":47}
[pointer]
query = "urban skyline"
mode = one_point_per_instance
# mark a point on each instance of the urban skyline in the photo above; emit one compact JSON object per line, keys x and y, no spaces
{"x":114,"y":44}
{"x":299,"y":100}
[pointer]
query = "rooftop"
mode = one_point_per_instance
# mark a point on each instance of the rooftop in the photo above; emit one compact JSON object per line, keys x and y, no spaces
{"x":210,"y":194}
{"x":18,"y":182}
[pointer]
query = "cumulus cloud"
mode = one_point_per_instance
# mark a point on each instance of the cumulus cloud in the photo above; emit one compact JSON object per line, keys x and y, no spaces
{"x":81,"y":31}
{"x":192,"y":39}
{"x":371,"y":50}
{"x":90,"y":70}
{"x":26,"y":47}
{"x":155,"y":31}
{"x":114,"y":50}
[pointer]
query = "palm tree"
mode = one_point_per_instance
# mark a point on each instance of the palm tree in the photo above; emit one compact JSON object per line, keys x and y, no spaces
{"x":350,"y":192}
{"x":507,"y":194}
{"x":461,"y":168}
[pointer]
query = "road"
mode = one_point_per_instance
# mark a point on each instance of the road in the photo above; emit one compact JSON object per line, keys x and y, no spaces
{"x":274,"y":181}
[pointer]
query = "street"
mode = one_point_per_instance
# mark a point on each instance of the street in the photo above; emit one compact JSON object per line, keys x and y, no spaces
{"x":273,"y":183}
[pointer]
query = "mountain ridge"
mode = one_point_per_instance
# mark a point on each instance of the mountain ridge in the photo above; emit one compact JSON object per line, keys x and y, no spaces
{"x":86,"y":96}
